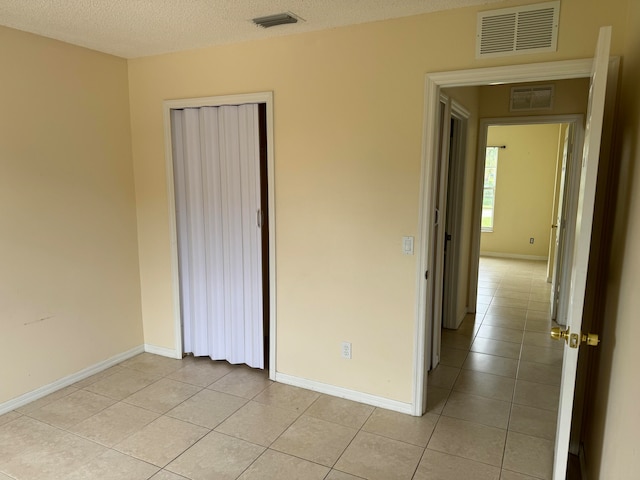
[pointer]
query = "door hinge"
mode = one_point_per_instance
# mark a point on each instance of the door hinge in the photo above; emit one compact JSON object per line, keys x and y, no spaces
{"x":426,"y":275}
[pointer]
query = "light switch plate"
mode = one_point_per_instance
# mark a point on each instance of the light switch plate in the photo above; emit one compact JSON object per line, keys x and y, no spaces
{"x":407,"y":245}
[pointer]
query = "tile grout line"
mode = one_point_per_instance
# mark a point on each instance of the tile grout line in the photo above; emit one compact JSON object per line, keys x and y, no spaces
{"x":160,"y":415}
{"x":211,"y":430}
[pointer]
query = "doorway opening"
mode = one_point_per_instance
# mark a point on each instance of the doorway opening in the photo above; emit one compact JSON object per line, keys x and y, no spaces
{"x":518,"y":74}
{"x":598,"y":123}
{"x":533,"y":194}
{"x":258,"y":202}
{"x":264,"y":230}
{"x":495,"y":358}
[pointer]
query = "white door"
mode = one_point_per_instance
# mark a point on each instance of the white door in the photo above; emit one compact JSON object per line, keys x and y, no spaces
{"x":584,"y":220}
{"x":440,"y":215}
{"x":216,"y":164}
{"x":455,"y":192}
{"x":560,"y":228}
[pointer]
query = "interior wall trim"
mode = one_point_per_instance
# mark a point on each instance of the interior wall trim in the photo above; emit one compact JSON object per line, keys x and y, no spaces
{"x":162,"y":351}
{"x":518,"y":256}
{"x":373,"y":400}
{"x":68,"y":380}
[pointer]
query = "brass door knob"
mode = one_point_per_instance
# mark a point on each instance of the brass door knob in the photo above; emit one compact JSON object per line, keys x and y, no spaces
{"x":573,"y":339}
{"x":558,"y":334}
{"x":591,"y":339}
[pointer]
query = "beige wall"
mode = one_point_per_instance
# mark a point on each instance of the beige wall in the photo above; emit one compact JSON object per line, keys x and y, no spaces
{"x":614,"y":419}
{"x":524,"y":189}
{"x":69,"y":284}
{"x":570,"y":97}
{"x":348,"y":134}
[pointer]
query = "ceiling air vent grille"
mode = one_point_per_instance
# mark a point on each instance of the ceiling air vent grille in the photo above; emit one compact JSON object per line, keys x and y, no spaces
{"x":518,"y":30}
{"x":539,"y":97}
{"x":275,"y":20}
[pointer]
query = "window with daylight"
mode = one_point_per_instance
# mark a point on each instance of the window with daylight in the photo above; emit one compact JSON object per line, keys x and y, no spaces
{"x":489,"y":192}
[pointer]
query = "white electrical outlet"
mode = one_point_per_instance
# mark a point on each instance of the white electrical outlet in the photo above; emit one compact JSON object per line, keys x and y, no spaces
{"x":346,"y":350}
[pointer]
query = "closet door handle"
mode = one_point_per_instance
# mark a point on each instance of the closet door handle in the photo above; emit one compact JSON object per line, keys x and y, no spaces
{"x":260,"y":218}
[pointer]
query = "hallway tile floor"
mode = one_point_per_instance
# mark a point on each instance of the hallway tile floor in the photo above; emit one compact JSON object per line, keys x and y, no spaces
{"x":492,"y":407}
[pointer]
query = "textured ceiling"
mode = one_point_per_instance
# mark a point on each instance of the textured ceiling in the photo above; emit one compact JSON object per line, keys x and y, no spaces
{"x":137,"y":28}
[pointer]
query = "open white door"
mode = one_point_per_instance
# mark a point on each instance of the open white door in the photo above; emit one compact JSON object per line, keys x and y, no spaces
{"x":451,"y":317}
{"x":584,"y":220}
{"x":439,"y":224}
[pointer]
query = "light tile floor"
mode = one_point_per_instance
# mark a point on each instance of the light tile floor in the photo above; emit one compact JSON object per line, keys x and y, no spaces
{"x":498,"y":383}
{"x":491,"y":415}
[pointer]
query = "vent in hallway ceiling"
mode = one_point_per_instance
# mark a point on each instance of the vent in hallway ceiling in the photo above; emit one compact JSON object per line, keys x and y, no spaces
{"x":275,"y":20}
{"x":539,"y":97}
{"x":518,"y":30}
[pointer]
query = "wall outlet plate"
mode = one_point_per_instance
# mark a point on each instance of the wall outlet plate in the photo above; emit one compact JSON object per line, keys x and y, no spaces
{"x":346,"y":350}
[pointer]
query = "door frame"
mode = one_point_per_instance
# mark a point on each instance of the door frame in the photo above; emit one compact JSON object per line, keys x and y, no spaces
{"x":546,"y":71}
{"x":217,"y":101}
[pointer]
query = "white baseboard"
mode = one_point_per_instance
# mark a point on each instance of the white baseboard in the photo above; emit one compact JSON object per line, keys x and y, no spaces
{"x":68,"y":380}
{"x":162,"y":351}
{"x":341,"y":392}
{"x":513,"y":255}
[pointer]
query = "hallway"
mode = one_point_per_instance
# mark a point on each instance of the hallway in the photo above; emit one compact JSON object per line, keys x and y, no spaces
{"x":497,"y":386}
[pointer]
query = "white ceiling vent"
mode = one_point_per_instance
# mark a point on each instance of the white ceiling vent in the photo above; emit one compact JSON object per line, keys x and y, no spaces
{"x":539,"y":97}
{"x":518,"y":30}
